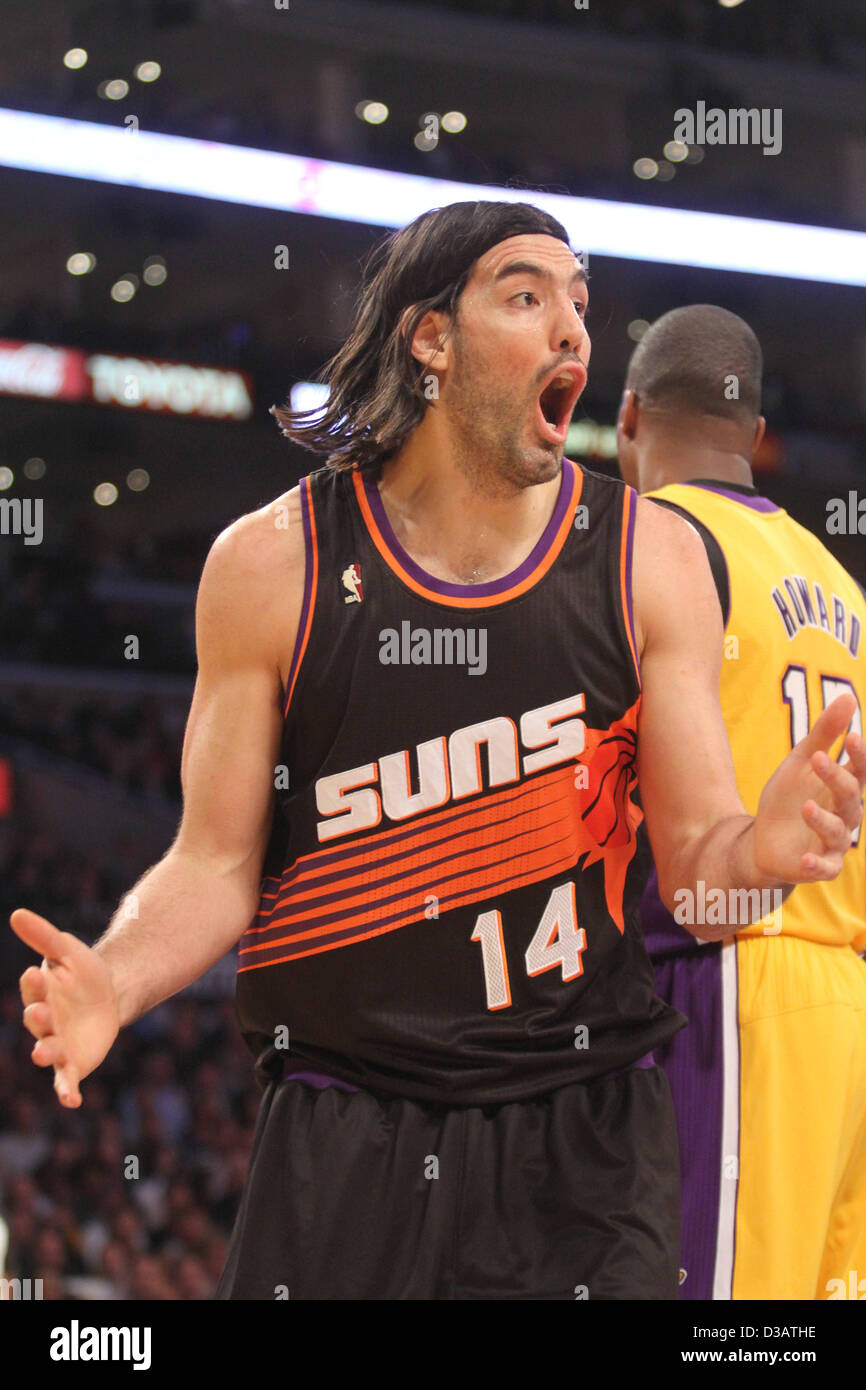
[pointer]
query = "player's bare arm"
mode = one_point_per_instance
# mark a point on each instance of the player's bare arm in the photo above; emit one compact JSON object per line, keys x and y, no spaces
{"x":698,"y":827}
{"x":193,"y":905}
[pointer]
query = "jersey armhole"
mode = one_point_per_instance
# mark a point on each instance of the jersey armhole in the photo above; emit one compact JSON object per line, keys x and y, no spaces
{"x":626,"y":568}
{"x":715,"y":555}
{"x":311,"y":577}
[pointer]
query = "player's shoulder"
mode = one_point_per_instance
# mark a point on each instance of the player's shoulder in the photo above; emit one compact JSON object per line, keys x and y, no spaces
{"x":659,"y":531}
{"x":253,"y":576}
{"x":262,"y":541}
{"x":670,"y":572}
{"x":605,"y":485}
{"x":251,"y":589}
{"x":663,"y":531}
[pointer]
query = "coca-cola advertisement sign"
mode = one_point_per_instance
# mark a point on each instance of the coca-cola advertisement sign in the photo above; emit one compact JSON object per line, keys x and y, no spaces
{"x":35,"y":369}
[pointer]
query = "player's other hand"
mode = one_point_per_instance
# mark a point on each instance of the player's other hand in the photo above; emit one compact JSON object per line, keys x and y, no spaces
{"x":69,"y":1004}
{"x":811,"y":805}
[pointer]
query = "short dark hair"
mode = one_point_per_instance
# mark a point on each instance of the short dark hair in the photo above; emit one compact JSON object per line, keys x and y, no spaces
{"x":376,"y":398}
{"x":686,"y":360}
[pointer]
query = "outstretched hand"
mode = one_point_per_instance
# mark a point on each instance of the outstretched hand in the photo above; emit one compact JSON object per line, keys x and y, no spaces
{"x":70,"y":1005}
{"x":812,"y":805}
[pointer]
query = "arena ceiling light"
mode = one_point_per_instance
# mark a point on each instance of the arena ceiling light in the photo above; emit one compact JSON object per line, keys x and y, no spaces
{"x":377,"y":197}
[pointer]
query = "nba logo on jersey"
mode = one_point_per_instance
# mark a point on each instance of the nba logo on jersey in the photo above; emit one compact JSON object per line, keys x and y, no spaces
{"x":351,"y":582}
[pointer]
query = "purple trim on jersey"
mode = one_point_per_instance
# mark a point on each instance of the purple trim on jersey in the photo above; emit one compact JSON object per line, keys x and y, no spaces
{"x":306,"y":503}
{"x":317,"y":1079}
{"x":693,"y":1062}
{"x":496,"y":586}
{"x":757,"y":504}
{"x":629,"y":555}
{"x":644,"y":1063}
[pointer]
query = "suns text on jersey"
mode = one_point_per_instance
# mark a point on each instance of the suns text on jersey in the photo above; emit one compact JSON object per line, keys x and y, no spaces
{"x":449,"y":767}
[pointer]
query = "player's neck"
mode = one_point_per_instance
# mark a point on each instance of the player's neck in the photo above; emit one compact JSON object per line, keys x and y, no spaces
{"x":463,"y":527}
{"x":662,"y":467}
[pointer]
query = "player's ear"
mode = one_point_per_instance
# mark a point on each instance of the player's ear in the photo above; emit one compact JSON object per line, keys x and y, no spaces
{"x":626,"y":420}
{"x":760,"y":428}
{"x":429,"y":339}
{"x":626,"y":449}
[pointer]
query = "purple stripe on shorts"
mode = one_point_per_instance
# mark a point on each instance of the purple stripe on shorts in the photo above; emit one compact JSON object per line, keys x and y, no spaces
{"x":648,"y":1060}
{"x":316,"y":1078}
{"x":693,"y":1061}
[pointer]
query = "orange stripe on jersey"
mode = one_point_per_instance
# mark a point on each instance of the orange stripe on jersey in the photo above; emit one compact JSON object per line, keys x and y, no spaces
{"x":559,"y":866}
{"x":582,"y":809}
{"x":489,"y":600}
{"x":473,"y":855}
{"x":309,"y":603}
{"x":410,"y":901}
{"x":488,"y":810}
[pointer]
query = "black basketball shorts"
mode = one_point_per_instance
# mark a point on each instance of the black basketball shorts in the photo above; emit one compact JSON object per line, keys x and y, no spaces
{"x":573,"y":1195}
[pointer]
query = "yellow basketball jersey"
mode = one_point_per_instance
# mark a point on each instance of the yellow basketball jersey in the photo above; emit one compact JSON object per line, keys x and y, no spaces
{"x":793,"y":642}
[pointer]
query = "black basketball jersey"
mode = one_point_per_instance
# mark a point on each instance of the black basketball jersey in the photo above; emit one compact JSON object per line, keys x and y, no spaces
{"x":449,"y":907}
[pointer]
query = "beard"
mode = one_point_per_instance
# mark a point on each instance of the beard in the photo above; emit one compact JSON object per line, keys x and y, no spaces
{"x":492,"y":434}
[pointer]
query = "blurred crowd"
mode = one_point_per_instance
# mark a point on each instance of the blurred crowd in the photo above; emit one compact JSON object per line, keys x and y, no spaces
{"x":134,"y":1194}
{"x":60,"y":611}
{"x":136,"y":740}
{"x":77,"y":892}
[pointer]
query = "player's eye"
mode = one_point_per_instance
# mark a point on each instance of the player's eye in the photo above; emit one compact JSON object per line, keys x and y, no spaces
{"x":582,"y":309}
{"x":525,"y":294}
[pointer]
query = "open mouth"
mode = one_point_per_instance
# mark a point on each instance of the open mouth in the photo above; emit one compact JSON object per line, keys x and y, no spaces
{"x":558,"y":399}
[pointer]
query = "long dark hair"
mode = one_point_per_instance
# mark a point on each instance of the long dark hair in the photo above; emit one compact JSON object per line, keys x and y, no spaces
{"x":376,"y":394}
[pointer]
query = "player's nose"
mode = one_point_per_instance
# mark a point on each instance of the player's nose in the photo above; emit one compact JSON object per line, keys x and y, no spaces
{"x":569,"y":332}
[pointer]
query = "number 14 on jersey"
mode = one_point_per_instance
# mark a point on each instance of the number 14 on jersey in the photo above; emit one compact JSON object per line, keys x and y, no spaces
{"x":558,"y":940}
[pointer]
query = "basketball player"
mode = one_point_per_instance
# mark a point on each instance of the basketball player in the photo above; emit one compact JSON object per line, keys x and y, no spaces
{"x":769,"y":1080}
{"x":451,"y":652}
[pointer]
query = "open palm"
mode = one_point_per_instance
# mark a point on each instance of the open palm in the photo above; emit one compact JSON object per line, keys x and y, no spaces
{"x":811,"y":805}
{"x":70,"y":1005}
